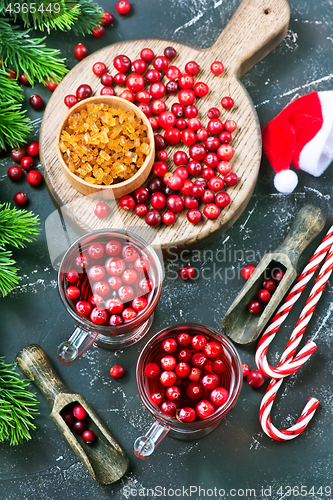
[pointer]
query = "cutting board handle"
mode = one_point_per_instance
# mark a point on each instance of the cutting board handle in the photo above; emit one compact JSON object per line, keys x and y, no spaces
{"x":254,"y":30}
{"x":33,"y":361}
{"x":308,"y":223}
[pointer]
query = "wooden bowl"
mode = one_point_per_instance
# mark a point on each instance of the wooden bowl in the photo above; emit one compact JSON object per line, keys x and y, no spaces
{"x":120,"y":188}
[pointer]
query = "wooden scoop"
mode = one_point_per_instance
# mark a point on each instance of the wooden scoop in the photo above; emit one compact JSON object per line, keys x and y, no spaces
{"x":104,"y":458}
{"x":239,"y":324}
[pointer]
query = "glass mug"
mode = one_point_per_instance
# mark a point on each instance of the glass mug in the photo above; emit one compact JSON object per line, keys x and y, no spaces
{"x":124,"y":248}
{"x":231,"y":379}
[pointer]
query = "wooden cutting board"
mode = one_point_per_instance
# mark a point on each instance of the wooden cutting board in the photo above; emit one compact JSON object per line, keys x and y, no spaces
{"x":254,"y":30}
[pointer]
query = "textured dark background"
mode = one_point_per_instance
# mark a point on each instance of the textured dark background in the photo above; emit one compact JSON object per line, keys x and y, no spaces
{"x":237,"y":455}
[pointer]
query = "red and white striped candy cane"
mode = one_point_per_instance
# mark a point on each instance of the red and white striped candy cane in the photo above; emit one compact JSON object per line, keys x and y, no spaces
{"x":265,"y":417}
{"x":288,"y":364}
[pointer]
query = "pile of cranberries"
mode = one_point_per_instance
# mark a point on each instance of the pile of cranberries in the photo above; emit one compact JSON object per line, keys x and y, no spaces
{"x":189,"y":378}
{"x":76,"y":420}
{"x":268,"y":287}
{"x":109,"y":283}
{"x":24,"y":156}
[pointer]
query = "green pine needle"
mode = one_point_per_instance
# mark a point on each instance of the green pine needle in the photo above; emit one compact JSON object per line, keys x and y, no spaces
{"x":17,"y":406}
{"x":9,"y":89}
{"x":8,"y":273}
{"x":80,"y":16}
{"x":29,"y":55}
{"x":17,"y":226}
{"x":15,"y":126}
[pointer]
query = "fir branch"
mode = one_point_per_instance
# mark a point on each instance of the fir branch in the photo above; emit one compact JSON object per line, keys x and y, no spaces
{"x":15,"y":126}
{"x":29,"y":55}
{"x":9,"y":89}
{"x":17,"y":226}
{"x":17,"y":406}
{"x":81,"y":16}
{"x":8,"y":274}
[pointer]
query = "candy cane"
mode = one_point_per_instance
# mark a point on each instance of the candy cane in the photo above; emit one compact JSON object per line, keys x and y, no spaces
{"x":265,"y":418}
{"x":289,"y":364}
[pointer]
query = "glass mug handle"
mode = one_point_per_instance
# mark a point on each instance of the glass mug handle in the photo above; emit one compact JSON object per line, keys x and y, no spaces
{"x":70,"y":350}
{"x":145,"y":445}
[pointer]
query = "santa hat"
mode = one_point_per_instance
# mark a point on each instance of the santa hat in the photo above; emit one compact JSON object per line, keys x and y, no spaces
{"x":301,"y":136}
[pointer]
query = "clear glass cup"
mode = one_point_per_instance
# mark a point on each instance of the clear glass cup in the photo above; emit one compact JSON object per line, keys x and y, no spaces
{"x":86,"y":332}
{"x":163,"y":425}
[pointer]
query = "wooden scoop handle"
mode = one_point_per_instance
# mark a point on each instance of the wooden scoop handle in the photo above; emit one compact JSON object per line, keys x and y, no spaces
{"x":254,"y":30}
{"x":33,"y":361}
{"x":308,"y":223}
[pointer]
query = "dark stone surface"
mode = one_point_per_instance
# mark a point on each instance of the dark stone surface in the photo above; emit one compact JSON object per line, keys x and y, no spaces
{"x":237,"y":455}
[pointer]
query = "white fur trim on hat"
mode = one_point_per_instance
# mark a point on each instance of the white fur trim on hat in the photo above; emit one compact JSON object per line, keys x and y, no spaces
{"x":317,"y":154}
{"x":286,"y":181}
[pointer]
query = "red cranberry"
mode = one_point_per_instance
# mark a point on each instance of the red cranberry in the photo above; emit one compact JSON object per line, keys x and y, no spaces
{"x":34,"y":178}
{"x":186,"y":81}
{"x":230,"y":126}
{"x":194,"y":215}
{"x":147,"y":55}
{"x":127,"y":202}
{"x":98,"y":31}
{"x":17,"y":154}
{"x":36,"y":102}
{"x":156,"y":398}
{"x":216,"y":183}
{"x":213,"y":113}
{"x":194,"y":167}
{"x":146,"y":285}
{"x":122,"y":63}
{"x":168,"y":218}
{"x":182,"y":172}
{"x":168,"y":378}
{"x":198,"y":342}
{"x":70,"y":100}
{"x":217,"y":68}
{"x":208,"y":195}
{"x":139,"y":66}
{"x":225,"y":152}
{"x":153,"y":218}
{"x":170,"y":53}
{"x":101,"y":210}
{"x":201,"y":89}
{"x":225,"y":137}
{"x":116,"y":320}
{"x":161,"y":155}
{"x":161,"y":63}
{"x":158,"y":201}
{"x":101,"y":288}
{"x":166,"y":119}
{"x":212,"y":349}
{"x":223,"y":167}
{"x":79,"y":412}
{"x":184,"y":339}
{"x":113,"y":248}
{"x":173,"y":392}
{"x":135,"y":82}
{"x":151,"y":370}
{"x":185,"y":355}
{"x":15,"y":173}
{"x":175,"y":203}
{"x":73,"y":292}
{"x":202,"y":134}
{"x":128,"y":314}
{"x":187,"y":187}
{"x":142,"y":265}
{"x":83,"y":308}
{"x":186,"y":97}
{"x":197,"y":152}
{"x":169,"y":345}
{"x":218,"y":366}
{"x":88,"y":436}
{"x":51,"y":84}
{"x":254,"y":307}
{"x":194,"y":391}
{"x":264,"y":296}
{"x":182,"y":369}
{"x":247,"y":271}
{"x":269,"y":285}
{"x":246,"y":369}
{"x":181,"y":123}
{"x":129,"y":253}
{"x":172,"y":72}
{"x":68,"y":418}
{"x":277,"y":275}
{"x":123,"y":7}
{"x":33,"y":148}
{"x":11,"y":74}
{"x":83,"y":91}
{"x":227,"y":102}
{"x":199,"y":360}
{"x":215,"y":126}
{"x":96,"y":300}
{"x":188,"y":137}
{"x":190,"y":202}
{"x":186,"y":272}
{"x":186,"y":414}
{"x":80,"y":51}
{"x":194,"y":124}
{"x":96,"y":251}
{"x":219,"y":396}
{"x":160,"y":142}
{"x":98,"y":316}
{"x":27,"y":163}
{"x":20,"y":199}
{"x":157,"y":90}
{"x":126,"y":293}
{"x":168,"y":362}
{"x":211,"y":211}
{"x":107,"y":18}
{"x":114,"y":306}
{"x":130,"y":276}
{"x":117,"y":371}
{"x":231,"y":179}
{"x":120,"y":79}
{"x":192,"y":68}
{"x":197,"y":191}
{"x":128,"y":95}
{"x":212,"y":143}
{"x":172,"y":136}
{"x":99,"y":68}
{"x":82,"y":261}
{"x":152,"y":76}
{"x":72,"y":276}
{"x":195,"y":374}
{"x":255,"y":379}
{"x":79,"y":426}
{"x":169,"y":408}
{"x":210,"y":381}
{"x":222,"y":200}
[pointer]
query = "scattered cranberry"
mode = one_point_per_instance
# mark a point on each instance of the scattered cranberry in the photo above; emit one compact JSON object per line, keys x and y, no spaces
{"x":107,"y":91}
{"x":117,"y":371}
{"x":175,"y":203}
{"x":223,"y":168}
{"x":227,"y":102}
{"x":33,"y":148}
{"x":231,"y":179}
{"x":161,"y":63}
{"x":211,"y":211}
{"x":23,"y":79}
{"x":20,"y":199}
{"x":254,"y":307}
{"x":79,"y":412}
{"x":80,"y":51}
{"x":222,"y":200}
{"x":70,"y":100}
{"x":246,"y":369}
{"x":101,"y":210}
{"x":213,"y":113}
{"x":186,"y":272}
{"x":247,"y":271}
{"x":128,"y":95}
{"x":123,"y":7}
{"x":147,"y":55}
{"x":194,"y":216}
{"x":168,"y":218}
{"x":27,"y":163}
{"x":192,"y":68}
{"x":225,"y":137}
{"x":127,"y":202}
{"x":186,"y":97}
{"x":107,"y":18}
{"x":106,"y":79}
{"x":208,"y":195}
{"x":11,"y":74}
{"x":83,"y":91}
{"x":230,"y":126}
{"x":170,"y":53}
{"x":88,"y":436}
{"x":201,"y":89}
{"x":120,"y":79}
{"x":15,"y":173}
{"x":98,"y":31}
{"x":153,"y":218}
{"x":122,"y":63}
{"x":139,"y":66}
{"x":255,"y":379}
{"x":34,"y":178}
{"x":17,"y":154}
{"x":202,"y":134}
{"x":215,"y":126}
{"x":36,"y":102}
{"x":217,"y":68}
{"x":216,"y":183}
